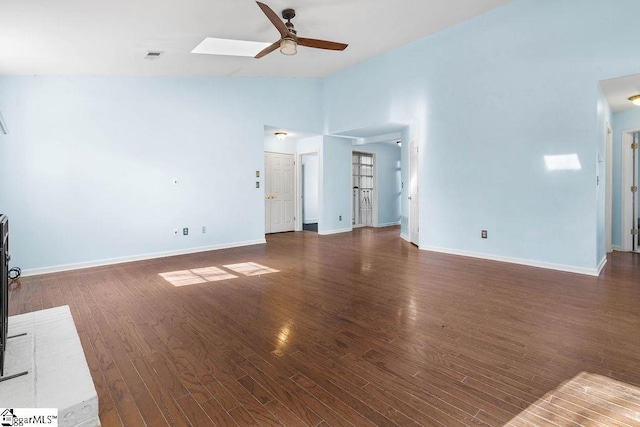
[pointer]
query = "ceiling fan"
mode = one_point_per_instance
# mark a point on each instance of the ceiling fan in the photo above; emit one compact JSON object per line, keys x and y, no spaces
{"x":289,"y":39}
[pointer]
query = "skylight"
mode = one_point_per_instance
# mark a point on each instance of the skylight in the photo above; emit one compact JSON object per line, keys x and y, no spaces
{"x":214,"y":46}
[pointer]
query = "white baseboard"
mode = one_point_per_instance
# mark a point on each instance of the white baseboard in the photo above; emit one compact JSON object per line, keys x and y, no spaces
{"x":603,"y":262}
{"x":142,"y":257}
{"x":342,"y":230}
{"x":388,"y":224}
{"x":616,"y":248}
{"x":405,"y":237}
{"x":520,"y":261}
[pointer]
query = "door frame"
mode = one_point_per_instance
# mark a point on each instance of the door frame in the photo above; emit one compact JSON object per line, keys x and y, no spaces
{"x":299,"y":191}
{"x":374,"y":201}
{"x":414,"y":237}
{"x":627,"y":181}
{"x":609,"y":189}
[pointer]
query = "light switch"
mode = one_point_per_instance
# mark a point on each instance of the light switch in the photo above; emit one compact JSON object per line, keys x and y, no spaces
{"x":257,"y":184}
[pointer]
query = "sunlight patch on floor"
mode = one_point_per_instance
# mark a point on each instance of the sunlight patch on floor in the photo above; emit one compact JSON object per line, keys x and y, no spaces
{"x":250,"y":269}
{"x":215,"y":274}
{"x":586,"y":399}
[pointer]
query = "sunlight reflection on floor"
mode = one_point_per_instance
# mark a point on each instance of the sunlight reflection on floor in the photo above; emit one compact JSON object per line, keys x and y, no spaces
{"x":586,"y":399}
{"x":215,"y":274}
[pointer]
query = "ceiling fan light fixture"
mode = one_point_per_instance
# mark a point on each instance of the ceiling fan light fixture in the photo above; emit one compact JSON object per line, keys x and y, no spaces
{"x":288,"y":46}
{"x":281,"y":135}
{"x":635,"y":99}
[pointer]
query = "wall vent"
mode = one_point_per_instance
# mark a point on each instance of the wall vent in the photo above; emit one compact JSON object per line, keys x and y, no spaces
{"x":153,"y":54}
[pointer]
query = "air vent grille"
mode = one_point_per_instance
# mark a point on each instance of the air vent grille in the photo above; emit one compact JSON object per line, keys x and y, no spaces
{"x":153,"y":54}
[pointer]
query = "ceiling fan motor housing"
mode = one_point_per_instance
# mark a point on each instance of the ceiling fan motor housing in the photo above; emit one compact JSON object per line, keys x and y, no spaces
{"x":288,"y":14}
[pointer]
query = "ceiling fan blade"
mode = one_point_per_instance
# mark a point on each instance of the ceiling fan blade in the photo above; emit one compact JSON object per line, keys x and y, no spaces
{"x":275,"y":20}
{"x":268,"y":50}
{"x":321,"y":44}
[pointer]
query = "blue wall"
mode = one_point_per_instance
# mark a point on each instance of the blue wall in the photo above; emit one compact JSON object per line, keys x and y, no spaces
{"x":336,"y":185}
{"x":486,"y":100}
{"x":88,"y":164}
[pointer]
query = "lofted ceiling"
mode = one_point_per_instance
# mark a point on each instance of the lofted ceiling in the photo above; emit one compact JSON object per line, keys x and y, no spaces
{"x":91,"y":37}
{"x":618,"y":90}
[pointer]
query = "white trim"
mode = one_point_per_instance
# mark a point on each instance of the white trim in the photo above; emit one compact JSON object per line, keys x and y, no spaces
{"x":405,"y":237}
{"x":616,"y":248}
{"x":530,"y":263}
{"x":299,"y":191}
{"x":374,"y":201}
{"x":608,"y":207}
{"x":388,"y":224}
{"x":414,"y":160}
{"x":311,"y":221}
{"x":142,"y":257}
{"x":3,"y":126}
{"x":601,"y":265}
{"x":627,"y":182}
{"x":342,"y":230}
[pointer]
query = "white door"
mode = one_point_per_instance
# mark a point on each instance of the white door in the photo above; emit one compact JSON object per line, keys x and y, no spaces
{"x":279,"y":193}
{"x":414,"y":201}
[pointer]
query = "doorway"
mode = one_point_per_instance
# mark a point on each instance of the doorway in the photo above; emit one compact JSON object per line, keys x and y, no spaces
{"x":363,"y":198}
{"x":309,"y":191}
{"x":279,"y":192}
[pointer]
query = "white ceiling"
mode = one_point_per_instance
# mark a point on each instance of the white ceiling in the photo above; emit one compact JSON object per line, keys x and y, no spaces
{"x":98,"y":37}
{"x":618,"y":90}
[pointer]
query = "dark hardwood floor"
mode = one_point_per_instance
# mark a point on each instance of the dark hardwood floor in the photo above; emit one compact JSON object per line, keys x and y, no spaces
{"x":353,"y":329}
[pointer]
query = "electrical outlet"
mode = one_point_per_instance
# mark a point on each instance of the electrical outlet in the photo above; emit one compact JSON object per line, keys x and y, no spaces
{"x":204,"y":229}
{"x":185,"y":231}
{"x":484,"y":234}
{"x":175,"y":232}
{"x":257,"y":184}
{"x":340,"y":218}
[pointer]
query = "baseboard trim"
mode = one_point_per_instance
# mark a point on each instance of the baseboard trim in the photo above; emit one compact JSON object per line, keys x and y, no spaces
{"x":616,"y":248}
{"x":388,"y":224}
{"x":328,"y":233}
{"x":520,"y":261}
{"x":603,"y":262}
{"x":405,"y":237}
{"x":142,"y":257}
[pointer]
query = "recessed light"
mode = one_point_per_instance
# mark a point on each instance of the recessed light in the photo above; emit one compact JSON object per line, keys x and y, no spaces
{"x":214,"y":46}
{"x":635,"y":99}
